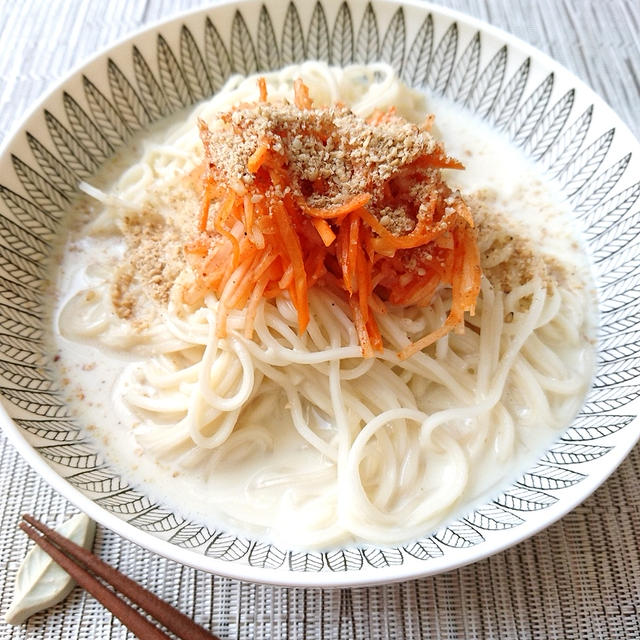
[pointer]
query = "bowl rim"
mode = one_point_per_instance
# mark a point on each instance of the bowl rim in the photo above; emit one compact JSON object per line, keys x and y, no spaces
{"x":368,"y":576}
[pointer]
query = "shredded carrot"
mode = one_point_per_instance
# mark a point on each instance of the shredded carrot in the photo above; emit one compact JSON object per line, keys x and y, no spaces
{"x":261,"y":237}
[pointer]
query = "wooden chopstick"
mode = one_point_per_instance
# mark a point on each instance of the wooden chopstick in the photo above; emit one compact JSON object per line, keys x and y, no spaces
{"x":81,"y":564}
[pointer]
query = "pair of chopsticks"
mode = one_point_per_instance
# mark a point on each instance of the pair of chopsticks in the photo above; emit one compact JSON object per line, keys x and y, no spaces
{"x":85,"y":568}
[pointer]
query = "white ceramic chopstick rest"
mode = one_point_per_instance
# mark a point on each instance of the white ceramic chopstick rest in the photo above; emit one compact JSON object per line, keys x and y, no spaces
{"x":40,"y":582}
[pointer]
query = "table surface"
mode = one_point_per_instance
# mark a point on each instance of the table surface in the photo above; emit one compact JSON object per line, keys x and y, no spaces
{"x":578,"y":579}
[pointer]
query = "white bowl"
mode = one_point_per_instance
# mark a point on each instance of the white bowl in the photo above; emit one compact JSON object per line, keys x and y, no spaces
{"x":546,"y":111}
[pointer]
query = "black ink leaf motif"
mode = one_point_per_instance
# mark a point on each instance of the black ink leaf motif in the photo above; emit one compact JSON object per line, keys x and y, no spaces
{"x":292,"y":48}
{"x":305,"y":561}
{"x":75,"y":157}
{"x":243,"y":54}
{"x":85,"y":131}
{"x":416,"y":70}
{"x":107,"y":118}
{"x":619,"y":346}
{"x":586,"y":163}
{"x":30,"y":216}
{"x":528,"y":116}
{"x":23,"y":271}
{"x":216,"y":56}
{"x":610,"y":398}
{"x":622,"y":318}
{"x":153,"y":98}
{"x":508,"y":99}
{"x":227,"y":547}
{"x":382,"y":557}
{"x":127,"y":503}
{"x":19,"y":349}
{"x":191,"y":536}
{"x":75,"y":456}
{"x":23,"y":240}
{"x":443,"y":59}
{"x":195,"y":71}
{"x":617,"y":372}
{"x":587,"y":428}
{"x":345,"y":560}
{"x":459,"y":535}
{"x":43,"y":193}
{"x":266,"y":556}
{"x":604,"y":245}
{"x":56,"y":172}
{"x":36,"y":402}
{"x":565,"y":146}
{"x":424,"y":548}
{"x":21,"y":324}
{"x":98,"y":480}
{"x":267,"y":47}
{"x":605,"y":218}
{"x":172,"y":78}
{"x":157,"y":520}
{"x":621,"y":265}
{"x":19,"y":297}
{"x":126,"y":100}
{"x":368,"y":40}
{"x":600,"y":186}
{"x":394,"y":42}
{"x":524,"y":499}
{"x":487,"y":88}
{"x":570,"y":453}
{"x":56,"y":430}
{"x":549,"y":478}
{"x":465,"y":72}
{"x":621,"y":301}
{"x":493,"y":517}
{"x":342,"y":38}
{"x":550,"y":126}
{"x":26,"y":376}
{"x":318,"y":36}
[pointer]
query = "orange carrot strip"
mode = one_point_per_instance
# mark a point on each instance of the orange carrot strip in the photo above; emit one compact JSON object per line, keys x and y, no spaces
{"x":324,"y":231}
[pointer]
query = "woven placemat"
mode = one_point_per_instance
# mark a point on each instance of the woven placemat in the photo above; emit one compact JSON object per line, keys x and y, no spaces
{"x":578,"y":579}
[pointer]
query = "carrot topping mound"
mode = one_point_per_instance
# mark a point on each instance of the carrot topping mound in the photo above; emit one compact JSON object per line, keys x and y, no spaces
{"x":296,"y":196}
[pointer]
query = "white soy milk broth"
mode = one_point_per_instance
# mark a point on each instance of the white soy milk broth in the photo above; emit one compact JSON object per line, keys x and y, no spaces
{"x":219,"y":495}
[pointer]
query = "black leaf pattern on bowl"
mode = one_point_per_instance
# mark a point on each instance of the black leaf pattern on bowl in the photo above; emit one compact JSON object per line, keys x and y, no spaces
{"x":424,"y":549}
{"x":56,"y":172}
{"x":243,"y":54}
{"x":318,"y":36}
{"x":266,"y":556}
{"x":113,"y":105}
{"x":342,"y":49}
{"x":442,"y":62}
{"x":126,"y":99}
{"x":98,"y":480}
{"x":348,"y":560}
{"x":305,"y":561}
{"x":418,"y":62}
{"x":382,"y":557}
{"x":267,"y":46}
{"x":459,"y":535}
{"x":292,"y":45}
{"x":57,"y":430}
{"x":153,"y":98}
{"x":465,"y":72}
{"x":393,"y":43}
{"x":368,"y":40}
{"x":195,"y":71}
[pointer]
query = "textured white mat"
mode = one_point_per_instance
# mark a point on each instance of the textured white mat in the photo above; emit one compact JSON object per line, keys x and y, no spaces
{"x":579,"y":579}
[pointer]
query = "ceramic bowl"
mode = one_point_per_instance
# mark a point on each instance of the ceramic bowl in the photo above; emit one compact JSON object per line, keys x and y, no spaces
{"x":546,"y":111}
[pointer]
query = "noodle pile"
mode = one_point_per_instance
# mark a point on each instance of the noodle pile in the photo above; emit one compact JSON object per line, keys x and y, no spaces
{"x":259,"y":395}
